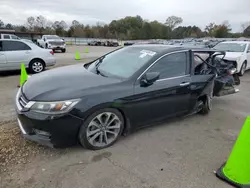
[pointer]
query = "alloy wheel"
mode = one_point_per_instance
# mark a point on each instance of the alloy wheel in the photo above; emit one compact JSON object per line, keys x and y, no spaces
{"x":103,"y":129}
{"x":37,"y":67}
{"x":243,"y":69}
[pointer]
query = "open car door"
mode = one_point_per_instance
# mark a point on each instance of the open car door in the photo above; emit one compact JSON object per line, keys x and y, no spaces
{"x":226,"y":78}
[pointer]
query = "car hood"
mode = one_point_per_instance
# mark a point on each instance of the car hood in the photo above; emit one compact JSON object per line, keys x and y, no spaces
{"x":69,"y":82}
{"x":232,"y":55}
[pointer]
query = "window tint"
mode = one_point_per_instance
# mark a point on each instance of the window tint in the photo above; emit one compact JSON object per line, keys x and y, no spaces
{"x":14,"y":37}
{"x":171,"y":65}
{"x":1,"y":47}
{"x":6,"y":36}
{"x":15,"y":46}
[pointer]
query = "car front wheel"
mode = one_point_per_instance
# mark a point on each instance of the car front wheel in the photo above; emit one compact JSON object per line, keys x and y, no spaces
{"x":206,"y":106}
{"x":243,"y":68}
{"x":101,"y":129}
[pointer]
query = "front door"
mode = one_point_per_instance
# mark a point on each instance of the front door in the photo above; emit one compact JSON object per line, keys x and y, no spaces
{"x":168,"y":96}
{"x":16,"y":52}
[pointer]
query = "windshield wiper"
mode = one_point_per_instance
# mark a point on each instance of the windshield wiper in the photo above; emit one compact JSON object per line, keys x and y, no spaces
{"x":98,"y":71}
{"x":97,"y":67}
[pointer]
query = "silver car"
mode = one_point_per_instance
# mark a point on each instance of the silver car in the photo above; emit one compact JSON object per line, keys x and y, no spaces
{"x":15,"y":52}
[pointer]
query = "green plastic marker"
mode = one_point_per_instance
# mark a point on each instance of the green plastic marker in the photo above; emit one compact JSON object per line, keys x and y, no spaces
{"x":237,"y":169}
{"x":24,"y":75}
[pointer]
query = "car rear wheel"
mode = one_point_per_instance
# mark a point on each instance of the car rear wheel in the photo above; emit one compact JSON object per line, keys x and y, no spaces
{"x":243,"y":68}
{"x":101,"y":129}
{"x":36,"y":66}
{"x":63,"y":50}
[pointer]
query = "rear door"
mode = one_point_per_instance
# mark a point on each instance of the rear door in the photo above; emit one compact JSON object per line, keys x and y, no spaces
{"x":2,"y":56}
{"x":169,"y":95}
{"x":16,"y":52}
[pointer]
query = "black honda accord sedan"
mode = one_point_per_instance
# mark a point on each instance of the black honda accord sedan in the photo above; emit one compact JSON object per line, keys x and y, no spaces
{"x":124,"y":90}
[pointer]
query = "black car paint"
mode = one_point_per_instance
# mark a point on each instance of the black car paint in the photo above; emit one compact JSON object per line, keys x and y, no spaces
{"x":139,"y":105}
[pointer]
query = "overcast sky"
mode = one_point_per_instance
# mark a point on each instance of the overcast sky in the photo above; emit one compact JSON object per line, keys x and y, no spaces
{"x":193,"y":12}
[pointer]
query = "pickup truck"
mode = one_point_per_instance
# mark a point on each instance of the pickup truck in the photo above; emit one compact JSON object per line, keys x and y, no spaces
{"x":53,"y":42}
{"x":9,"y":36}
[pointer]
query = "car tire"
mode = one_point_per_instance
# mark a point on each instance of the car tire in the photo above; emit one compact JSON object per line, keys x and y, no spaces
{"x":36,"y":66}
{"x":206,"y":107}
{"x":46,"y":46}
{"x":63,"y":50}
{"x":93,"y":129}
{"x":243,"y":68}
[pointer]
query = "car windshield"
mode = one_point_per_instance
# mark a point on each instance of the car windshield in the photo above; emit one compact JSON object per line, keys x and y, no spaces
{"x":52,"y":37}
{"x":231,"y":47}
{"x":123,"y":63}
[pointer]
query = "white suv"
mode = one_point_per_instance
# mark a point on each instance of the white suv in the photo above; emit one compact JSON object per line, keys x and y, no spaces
{"x":15,"y":52}
{"x":237,"y":51}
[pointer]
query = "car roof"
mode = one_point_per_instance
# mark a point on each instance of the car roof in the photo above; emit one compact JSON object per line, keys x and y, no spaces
{"x":237,"y":42}
{"x":11,"y":40}
{"x":161,"y":48}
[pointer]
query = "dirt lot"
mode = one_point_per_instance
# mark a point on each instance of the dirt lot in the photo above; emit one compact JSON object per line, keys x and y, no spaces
{"x":181,"y":153}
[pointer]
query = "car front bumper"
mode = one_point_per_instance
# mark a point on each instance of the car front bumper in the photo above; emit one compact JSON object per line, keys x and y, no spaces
{"x":52,"y":131}
{"x":55,"y":47}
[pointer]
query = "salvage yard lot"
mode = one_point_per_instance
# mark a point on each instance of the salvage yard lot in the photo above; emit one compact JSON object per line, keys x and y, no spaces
{"x":176,"y":154}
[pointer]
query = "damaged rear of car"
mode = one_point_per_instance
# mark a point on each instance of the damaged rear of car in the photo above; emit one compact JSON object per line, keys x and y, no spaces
{"x":226,"y":78}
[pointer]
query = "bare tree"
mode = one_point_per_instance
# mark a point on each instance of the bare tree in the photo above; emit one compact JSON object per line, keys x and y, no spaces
{"x":41,"y":22}
{"x":173,"y":21}
{"x":75,"y":23}
{"x":31,"y":22}
{"x":63,"y":25}
{"x":245,"y":25}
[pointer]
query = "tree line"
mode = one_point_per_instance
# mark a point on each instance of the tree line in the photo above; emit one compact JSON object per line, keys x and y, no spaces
{"x":128,"y":28}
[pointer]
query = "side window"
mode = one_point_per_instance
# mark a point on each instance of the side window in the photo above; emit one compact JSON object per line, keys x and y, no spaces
{"x":6,"y":36}
{"x":15,"y":46}
{"x":1,"y":46}
{"x":248,"y":47}
{"x":14,"y":37}
{"x":171,"y":65}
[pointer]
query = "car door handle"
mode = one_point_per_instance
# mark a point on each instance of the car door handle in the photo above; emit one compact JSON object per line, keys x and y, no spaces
{"x":1,"y":53}
{"x":27,"y":52}
{"x":185,"y":84}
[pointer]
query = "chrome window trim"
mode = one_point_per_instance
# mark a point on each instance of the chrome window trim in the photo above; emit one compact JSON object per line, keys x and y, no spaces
{"x":171,"y":78}
{"x":158,"y":60}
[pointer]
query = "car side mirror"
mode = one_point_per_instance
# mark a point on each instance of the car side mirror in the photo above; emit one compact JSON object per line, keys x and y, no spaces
{"x":149,"y":78}
{"x":248,"y":51}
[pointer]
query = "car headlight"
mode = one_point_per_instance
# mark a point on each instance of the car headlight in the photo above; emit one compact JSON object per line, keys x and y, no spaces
{"x":59,"y":107}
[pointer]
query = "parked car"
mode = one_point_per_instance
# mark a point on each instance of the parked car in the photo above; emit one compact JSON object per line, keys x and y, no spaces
{"x":96,"y":43}
{"x":9,"y":36}
{"x":237,"y":52}
{"x":127,"y":89}
{"x":14,"y":52}
{"x":53,"y":42}
{"x":111,"y":43}
{"x":128,"y":43}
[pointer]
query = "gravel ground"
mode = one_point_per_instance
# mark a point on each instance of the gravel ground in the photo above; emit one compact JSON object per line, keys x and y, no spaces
{"x":181,"y":153}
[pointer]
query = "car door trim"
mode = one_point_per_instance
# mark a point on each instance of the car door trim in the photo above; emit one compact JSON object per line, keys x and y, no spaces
{"x":171,"y":78}
{"x":158,"y":60}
